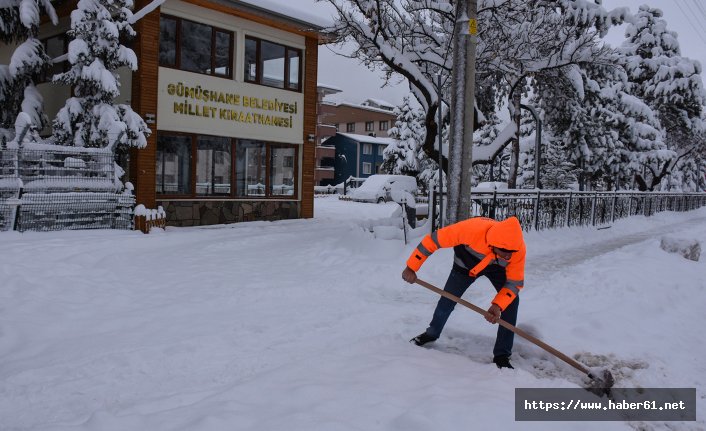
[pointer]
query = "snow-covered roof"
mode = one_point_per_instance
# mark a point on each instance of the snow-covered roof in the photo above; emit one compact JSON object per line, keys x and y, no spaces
{"x":367,"y":139}
{"x":379,"y":103}
{"x":327,"y":89}
{"x":367,"y":108}
{"x":288,"y":12}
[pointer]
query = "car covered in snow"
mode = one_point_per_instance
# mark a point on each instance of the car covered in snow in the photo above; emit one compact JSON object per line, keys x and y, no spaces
{"x":379,"y":188}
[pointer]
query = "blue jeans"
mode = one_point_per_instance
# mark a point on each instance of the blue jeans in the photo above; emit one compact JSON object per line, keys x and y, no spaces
{"x":458,"y":282}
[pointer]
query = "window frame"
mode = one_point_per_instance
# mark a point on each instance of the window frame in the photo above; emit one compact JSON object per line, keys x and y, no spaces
{"x":370,"y":126}
{"x":367,"y":149}
{"x":369,"y":169}
{"x":386,"y":123}
{"x":260,"y":65}
{"x":350,"y":127}
{"x":233,"y":195}
{"x":45,"y":77}
{"x":177,"y":53}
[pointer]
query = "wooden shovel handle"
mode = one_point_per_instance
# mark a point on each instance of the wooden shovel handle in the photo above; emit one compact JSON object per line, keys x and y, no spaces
{"x":509,"y":326}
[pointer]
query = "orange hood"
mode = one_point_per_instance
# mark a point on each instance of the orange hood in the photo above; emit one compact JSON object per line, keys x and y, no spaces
{"x":506,"y":234}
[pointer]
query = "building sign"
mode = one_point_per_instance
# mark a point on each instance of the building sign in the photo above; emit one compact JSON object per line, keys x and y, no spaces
{"x":194,"y":103}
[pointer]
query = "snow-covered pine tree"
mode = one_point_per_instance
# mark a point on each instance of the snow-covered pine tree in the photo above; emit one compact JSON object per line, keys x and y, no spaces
{"x":22,"y":104}
{"x":558,"y":172}
{"x":671,"y":85}
{"x":406,"y":156}
{"x":402,"y":156}
{"x":90,"y":119}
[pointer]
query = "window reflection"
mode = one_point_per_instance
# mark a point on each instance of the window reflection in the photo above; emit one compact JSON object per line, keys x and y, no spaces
{"x":213,"y":168}
{"x":250,"y":168}
{"x":167,"y":41}
{"x":269,"y":63}
{"x":272,"y":64}
{"x":173,"y":168}
{"x":282,"y":171}
{"x":195,"y":47}
{"x":250,"y":60}
{"x":293,"y":57}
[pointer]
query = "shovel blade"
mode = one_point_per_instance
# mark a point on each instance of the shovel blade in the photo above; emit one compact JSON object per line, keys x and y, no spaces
{"x":601,"y":382}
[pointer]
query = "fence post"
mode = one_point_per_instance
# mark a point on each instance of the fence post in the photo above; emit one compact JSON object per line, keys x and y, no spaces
{"x":536,"y":211}
{"x":612,"y":209}
{"x":492,"y":208}
{"x":568,"y":209}
{"x":593,"y":208}
{"x":432,"y":203}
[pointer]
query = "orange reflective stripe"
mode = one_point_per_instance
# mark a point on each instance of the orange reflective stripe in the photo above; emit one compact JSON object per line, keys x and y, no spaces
{"x":504,"y":298}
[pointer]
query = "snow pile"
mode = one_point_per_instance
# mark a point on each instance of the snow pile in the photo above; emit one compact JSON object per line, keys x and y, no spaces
{"x":690,"y":248}
{"x":150,"y":214}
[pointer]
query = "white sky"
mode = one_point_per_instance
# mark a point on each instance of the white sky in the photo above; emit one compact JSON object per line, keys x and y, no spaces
{"x":686,"y":17}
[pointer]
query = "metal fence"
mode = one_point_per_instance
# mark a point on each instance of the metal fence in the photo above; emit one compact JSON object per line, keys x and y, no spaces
{"x":54,"y":188}
{"x":538,"y":209}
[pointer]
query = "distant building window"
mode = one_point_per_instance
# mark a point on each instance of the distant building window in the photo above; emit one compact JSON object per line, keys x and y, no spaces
{"x":271,"y":64}
{"x":381,"y":150}
{"x":195,"y":47}
{"x":384,"y":125}
{"x":378,"y":168}
{"x":55,"y":46}
{"x":369,"y":126}
{"x":367,"y":168}
{"x":350,"y":127}
{"x":367,"y":148}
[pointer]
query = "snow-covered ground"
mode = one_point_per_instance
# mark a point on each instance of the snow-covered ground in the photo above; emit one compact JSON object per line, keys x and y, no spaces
{"x":304,"y":325}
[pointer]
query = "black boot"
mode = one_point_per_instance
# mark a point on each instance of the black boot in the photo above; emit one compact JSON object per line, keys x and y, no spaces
{"x":422,"y":339}
{"x":503,"y":361}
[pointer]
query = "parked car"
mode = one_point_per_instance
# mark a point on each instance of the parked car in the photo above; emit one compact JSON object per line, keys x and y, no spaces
{"x":378,"y":188}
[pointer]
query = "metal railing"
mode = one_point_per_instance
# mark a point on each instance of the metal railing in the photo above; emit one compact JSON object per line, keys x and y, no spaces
{"x":541,"y":209}
{"x":54,"y":188}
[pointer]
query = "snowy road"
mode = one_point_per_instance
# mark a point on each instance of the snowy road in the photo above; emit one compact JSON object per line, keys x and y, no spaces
{"x":303,"y":325}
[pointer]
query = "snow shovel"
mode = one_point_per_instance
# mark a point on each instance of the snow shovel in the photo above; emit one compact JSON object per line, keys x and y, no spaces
{"x":599,"y":384}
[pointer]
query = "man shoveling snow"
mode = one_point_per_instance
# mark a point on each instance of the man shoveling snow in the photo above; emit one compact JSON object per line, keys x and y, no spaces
{"x":482,"y":247}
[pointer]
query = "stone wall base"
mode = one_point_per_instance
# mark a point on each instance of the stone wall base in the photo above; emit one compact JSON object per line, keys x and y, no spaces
{"x":201,"y":213}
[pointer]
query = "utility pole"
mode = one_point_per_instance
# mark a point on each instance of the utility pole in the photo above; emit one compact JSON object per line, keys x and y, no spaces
{"x":462,"y":111}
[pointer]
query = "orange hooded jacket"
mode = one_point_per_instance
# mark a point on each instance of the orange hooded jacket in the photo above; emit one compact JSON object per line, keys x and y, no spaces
{"x":472,"y":240}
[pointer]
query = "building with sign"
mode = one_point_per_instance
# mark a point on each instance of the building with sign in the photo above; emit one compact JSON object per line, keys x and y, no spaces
{"x":228,"y":89}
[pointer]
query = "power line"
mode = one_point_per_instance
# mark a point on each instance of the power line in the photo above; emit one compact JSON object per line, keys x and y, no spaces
{"x":694,"y":14}
{"x":691,"y":23}
{"x":700,"y":7}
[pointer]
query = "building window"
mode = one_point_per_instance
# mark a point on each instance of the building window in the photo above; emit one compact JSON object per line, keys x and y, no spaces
{"x":369,"y":126}
{"x":378,"y":168}
{"x":272,"y":64}
{"x":384,"y":125}
{"x":250,"y":168}
{"x":221,"y":166}
{"x":281,"y":171}
{"x":173,"y":164}
{"x":367,"y":148}
{"x":195,"y":47}
{"x":213,"y":166}
{"x":350,"y":127}
{"x":367,"y":168}
{"x":381,"y":150}
{"x":336,"y":126}
{"x":55,"y":46}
